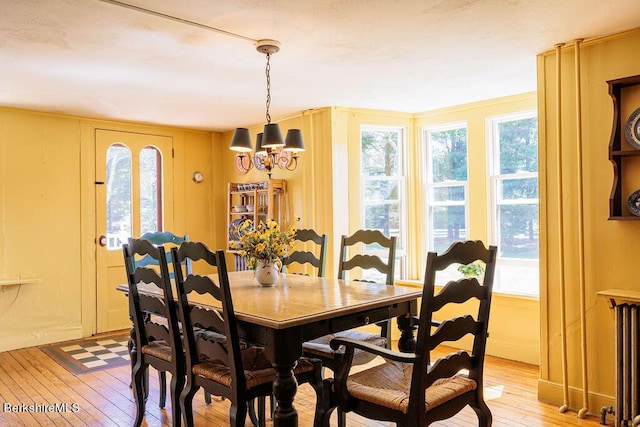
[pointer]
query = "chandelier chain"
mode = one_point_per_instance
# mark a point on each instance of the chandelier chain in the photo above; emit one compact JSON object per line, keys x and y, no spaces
{"x":268,"y":69}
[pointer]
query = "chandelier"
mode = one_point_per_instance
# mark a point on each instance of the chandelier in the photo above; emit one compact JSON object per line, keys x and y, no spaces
{"x":271,"y":149}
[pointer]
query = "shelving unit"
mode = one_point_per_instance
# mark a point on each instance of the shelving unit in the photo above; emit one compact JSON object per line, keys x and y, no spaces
{"x":267,"y":200}
{"x":625,"y":94}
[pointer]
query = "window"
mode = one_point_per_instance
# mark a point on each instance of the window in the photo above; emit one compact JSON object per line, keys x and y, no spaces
{"x":150,"y":194}
{"x":514,"y":200}
{"x":383,"y":187}
{"x":119,"y":214}
{"x":446,"y":186}
{"x":121,"y":209}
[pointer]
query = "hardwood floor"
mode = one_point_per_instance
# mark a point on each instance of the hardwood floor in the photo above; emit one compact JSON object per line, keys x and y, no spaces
{"x":28,"y":376}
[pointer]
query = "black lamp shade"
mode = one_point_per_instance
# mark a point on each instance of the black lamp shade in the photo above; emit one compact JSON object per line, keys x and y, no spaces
{"x":271,"y":136}
{"x":241,"y":140}
{"x":259,"y":149}
{"x":294,"y":141}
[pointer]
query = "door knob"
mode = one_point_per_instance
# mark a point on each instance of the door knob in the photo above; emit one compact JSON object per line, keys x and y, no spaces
{"x":102,"y":241}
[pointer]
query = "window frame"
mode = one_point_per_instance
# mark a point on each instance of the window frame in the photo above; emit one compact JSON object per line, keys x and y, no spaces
{"x":494,"y":177}
{"x":401,"y":269}
{"x":429,"y":185}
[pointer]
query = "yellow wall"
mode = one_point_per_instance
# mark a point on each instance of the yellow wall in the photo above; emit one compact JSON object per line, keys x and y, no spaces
{"x":610,"y":247}
{"x":47,"y":218}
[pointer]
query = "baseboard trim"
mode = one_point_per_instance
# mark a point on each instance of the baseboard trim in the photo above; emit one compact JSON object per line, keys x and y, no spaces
{"x":14,"y":342}
{"x":552,"y":393}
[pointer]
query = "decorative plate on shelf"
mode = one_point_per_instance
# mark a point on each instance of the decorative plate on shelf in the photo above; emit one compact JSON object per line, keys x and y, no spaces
{"x":234,"y":228}
{"x":633,"y":203}
{"x":632,"y":129}
{"x":242,"y":163}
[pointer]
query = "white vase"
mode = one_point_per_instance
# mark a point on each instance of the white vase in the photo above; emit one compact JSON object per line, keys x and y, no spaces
{"x":267,"y":272}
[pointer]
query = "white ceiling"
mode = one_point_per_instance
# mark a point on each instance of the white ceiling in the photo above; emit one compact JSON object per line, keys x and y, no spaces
{"x":97,"y":59}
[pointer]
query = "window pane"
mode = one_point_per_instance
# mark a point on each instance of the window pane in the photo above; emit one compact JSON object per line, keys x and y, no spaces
{"x":119,"y":212}
{"x":383,"y":217}
{"x":381,"y":190}
{"x":448,"y":150}
{"x":150,"y":191}
{"x":518,"y":142}
{"x":445,"y":194}
{"x":380,"y":152}
{"x":448,"y":224}
{"x":514,"y":189}
{"x":518,"y":231}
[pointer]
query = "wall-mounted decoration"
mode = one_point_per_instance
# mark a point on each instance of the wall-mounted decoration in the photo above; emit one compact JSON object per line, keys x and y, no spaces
{"x":632,"y":129}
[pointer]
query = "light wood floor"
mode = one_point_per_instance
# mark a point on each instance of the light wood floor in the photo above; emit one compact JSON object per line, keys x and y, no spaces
{"x":104,"y":399}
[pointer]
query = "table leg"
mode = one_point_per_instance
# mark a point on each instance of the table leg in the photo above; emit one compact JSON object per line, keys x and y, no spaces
{"x":285,"y":387}
{"x":407,"y":341}
{"x":283,"y":349}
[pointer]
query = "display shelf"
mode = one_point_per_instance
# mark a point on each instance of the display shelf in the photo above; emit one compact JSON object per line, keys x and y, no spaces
{"x":625,"y":94}
{"x":13,"y":282}
{"x":266,"y":198}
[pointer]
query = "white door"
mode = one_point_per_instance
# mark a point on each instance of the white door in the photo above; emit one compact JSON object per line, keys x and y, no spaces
{"x":133,"y":195}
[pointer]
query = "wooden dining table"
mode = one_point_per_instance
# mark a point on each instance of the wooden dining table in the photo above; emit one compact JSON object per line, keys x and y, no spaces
{"x":300,"y":308}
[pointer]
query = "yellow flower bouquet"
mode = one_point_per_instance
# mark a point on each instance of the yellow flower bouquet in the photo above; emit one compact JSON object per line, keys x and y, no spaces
{"x":264,"y":242}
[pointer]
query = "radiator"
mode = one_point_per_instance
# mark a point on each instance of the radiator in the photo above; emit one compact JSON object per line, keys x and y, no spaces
{"x":627,"y":365}
{"x":240,"y":263}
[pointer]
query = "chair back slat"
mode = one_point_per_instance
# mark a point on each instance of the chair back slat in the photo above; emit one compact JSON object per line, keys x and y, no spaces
{"x":457,"y":292}
{"x":303,"y":257}
{"x":365,"y":262}
{"x":453,"y":330}
{"x":152,"y":304}
{"x":201,"y":285}
{"x":207,"y":319}
{"x":367,"y":237}
{"x":156,"y":331}
{"x":448,"y":366}
{"x":309,"y":257}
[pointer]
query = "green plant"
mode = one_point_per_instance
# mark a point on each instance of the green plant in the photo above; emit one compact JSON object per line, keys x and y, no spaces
{"x":471,"y":269}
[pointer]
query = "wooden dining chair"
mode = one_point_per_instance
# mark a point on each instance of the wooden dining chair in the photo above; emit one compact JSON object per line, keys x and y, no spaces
{"x":155,"y":330}
{"x":413,"y":389}
{"x":361,"y":263}
{"x":224,"y":368}
{"x":166,"y":239}
{"x":315,"y":258}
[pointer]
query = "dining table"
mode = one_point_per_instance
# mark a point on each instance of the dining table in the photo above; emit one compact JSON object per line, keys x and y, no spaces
{"x":300,"y":308}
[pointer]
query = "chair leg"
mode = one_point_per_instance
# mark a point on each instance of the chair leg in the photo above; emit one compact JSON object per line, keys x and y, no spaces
{"x":207,"y":397}
{"x":137,"y":377}
{"x":162,"y":378}
{"x":186,"y":404}
{"x":342,"y":418}
{"x":483,"y":413}
{"x":251,"y":410}
{"x":262,"y":411}
{"x":177,"y":384}
{"x":237,"y":414}
{"x":272,"y":405}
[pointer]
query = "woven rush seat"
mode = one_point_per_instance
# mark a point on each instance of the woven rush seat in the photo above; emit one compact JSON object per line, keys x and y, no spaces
{"x":257,"y":368}
{"x":159,"y":349}
{"x":389,"y":385}
{"x":320,"y":346}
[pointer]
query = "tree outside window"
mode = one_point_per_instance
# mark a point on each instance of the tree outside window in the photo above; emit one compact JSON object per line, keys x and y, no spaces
{"x":383,"y":185}
{"x":446,"y":186}
{"x":514,"y":186}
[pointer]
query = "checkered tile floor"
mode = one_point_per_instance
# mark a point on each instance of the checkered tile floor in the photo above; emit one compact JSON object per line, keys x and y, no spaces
{"x":92,"y":353}
{"x":99,"y":353}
